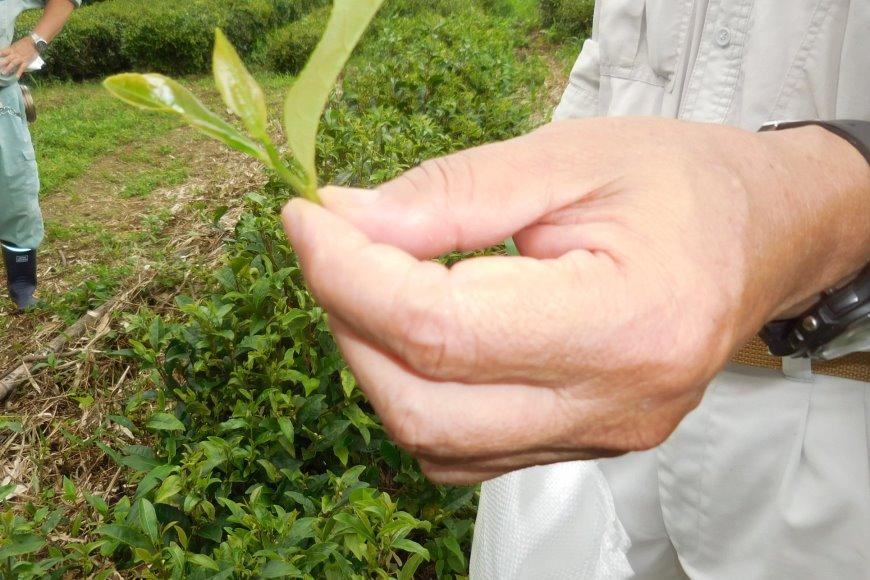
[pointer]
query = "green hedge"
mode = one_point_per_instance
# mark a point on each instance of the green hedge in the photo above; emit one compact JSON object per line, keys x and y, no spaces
{"x":568,"y":17}
{"x":165,"y":36}
{"x":289,"y":10}
{"x":288,"y":47}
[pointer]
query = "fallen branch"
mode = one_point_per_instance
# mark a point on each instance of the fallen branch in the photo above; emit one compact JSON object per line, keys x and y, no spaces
{"x":21,"y":374}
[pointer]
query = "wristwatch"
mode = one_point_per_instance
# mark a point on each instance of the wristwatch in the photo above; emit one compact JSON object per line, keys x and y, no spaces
{"x":41,"y":43}
{"x":839,"y":324}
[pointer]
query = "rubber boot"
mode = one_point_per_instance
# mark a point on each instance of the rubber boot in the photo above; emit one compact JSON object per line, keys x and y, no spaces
{"x":21,"y":276}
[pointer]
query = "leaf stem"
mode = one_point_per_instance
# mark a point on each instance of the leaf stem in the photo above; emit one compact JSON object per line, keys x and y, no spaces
{"x":290,"y":178}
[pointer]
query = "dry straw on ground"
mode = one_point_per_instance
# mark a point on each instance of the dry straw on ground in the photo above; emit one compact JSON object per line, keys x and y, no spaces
{"x":58,"y":407}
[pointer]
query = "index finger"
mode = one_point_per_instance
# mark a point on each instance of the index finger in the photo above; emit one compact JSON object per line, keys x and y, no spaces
{"x":477,"y":198}
{"x":490,"y":319}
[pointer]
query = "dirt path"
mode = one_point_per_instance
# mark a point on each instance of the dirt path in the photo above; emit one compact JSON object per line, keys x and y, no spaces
{"x":98,"y":236}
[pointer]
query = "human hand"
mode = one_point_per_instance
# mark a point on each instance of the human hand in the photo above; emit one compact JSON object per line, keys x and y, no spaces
{"x":16,"y":58}
{"x":652,"y":250}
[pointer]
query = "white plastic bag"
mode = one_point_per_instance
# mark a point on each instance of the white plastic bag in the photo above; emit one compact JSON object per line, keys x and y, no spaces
{"x":550,"y":522}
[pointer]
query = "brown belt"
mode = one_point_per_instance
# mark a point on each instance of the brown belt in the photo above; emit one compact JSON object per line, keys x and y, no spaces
{"x":855,"y":366}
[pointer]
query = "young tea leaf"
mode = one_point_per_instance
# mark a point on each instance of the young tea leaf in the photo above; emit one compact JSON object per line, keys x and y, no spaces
{"x":164,"y":422}
{"x":148,"y":521}
{"x":203,"y":561}
{"x":241,"y":93}
{"x":309,"y":94}
{"x":156,"y":92}
{"x":125,"y":535}
{"x":21,"y":544}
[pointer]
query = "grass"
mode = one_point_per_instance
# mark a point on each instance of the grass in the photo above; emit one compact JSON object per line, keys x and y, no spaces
{"x":80,"y":124}
{"x":100,"y":163}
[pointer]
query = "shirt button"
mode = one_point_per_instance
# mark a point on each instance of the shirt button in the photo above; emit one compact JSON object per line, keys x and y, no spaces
{"x":723,"y":37}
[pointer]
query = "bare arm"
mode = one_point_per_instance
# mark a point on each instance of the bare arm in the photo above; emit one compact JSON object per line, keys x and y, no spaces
{"x":17,"y":57}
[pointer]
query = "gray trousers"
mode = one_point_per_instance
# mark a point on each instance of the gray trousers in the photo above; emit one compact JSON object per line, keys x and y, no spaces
{"x":768,"y":479}
{"x":20,"y":216}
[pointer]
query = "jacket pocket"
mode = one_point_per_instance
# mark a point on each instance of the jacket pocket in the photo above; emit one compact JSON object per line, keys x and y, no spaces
{"x":643,"y":39}
{"x":667,"y":25}
{"x":619,"y":31}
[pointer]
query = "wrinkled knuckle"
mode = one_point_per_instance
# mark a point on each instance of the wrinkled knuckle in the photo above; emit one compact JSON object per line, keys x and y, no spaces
{"x":439,"y":475}
{"x":450,"y":174}
{"x":404,"y":426}
{"x":652,"y":434}
{"x":411,"y":428}
{"x":427,"y":335}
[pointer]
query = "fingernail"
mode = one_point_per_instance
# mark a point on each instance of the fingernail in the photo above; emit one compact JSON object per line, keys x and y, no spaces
{"x":347,"y":196}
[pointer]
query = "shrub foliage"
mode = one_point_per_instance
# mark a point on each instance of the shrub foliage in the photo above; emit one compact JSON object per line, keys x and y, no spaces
{"x":568,"y":18}
{"x":258,"y":455}
{"x":289,"y":46}
{"x":165,"y":36}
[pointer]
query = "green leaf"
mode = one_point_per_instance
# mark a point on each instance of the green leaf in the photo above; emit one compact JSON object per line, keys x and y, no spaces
{"x":170,"y":487}
{"x":123,"y":421}
{"x":176,"y":559}
{"x":7,"y":490}
{"x":148,"y":520}
{"x":69,"y":489}
{"x":342,"y":453}
{"x":410,"y":568}
{"x":153,"y":477}
{"x":286,"y":426}
{"x":125,"y":535}
{"x":21,"y":544}
{"x":279,"y":569}
{"x":241,"y":93}
{"x":233,"y":424}
{"x":156,"y":92}
{"x":98,"y":503}
{"x":11,"y":424}
{"x":412,"y":547}
{"x":308,"y":96}
{"x":203,"y":561}
{"x":348,"y":382}
{"x":164,"y":422}
{"x":52,"y":521}
{"x":140,"y":458}
{"x":453,"y":545}
{"x":354,"y":523}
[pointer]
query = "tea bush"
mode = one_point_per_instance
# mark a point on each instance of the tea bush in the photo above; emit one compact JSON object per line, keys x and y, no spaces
{"x":288,"y":47}
{"x":257,"y":455}
{"x":568,"y":18}
{"x":122,"y":35}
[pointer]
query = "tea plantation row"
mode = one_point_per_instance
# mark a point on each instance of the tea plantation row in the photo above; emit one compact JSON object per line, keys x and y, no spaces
{"x":258,"y":456}
{"x":112,"y":36}
{"x":167,"y":36}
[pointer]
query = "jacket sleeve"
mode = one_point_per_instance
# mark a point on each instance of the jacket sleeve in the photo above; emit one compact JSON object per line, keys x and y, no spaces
{"x":580,"y":98}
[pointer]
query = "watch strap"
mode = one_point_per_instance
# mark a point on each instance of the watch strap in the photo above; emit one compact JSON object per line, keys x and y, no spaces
{"x":856,"y":132}
{"x":41,"y":43}
{"x":807,"y":334}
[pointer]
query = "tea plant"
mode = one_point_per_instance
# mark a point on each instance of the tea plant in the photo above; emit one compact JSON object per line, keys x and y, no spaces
{"x":253,"y":452}
{"x":303,"y":106}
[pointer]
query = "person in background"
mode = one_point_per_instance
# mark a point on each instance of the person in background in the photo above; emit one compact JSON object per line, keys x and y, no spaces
{"x":21,"y":227}
{"x":660,"y":231}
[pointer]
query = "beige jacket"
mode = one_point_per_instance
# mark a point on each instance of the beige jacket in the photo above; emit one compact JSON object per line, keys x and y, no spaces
{"x":737,"y":62}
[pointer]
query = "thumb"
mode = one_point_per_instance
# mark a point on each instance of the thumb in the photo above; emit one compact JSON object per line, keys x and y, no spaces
{"x":466,"y":201}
